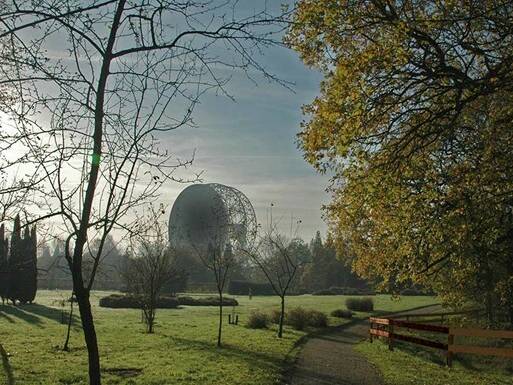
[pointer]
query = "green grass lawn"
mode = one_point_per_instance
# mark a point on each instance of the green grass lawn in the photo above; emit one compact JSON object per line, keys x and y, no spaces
{"x":410,"y":366}
{"x":182,"y":350}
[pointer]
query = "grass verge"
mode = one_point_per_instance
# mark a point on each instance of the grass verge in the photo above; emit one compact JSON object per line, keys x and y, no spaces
{"x":402,"y":367}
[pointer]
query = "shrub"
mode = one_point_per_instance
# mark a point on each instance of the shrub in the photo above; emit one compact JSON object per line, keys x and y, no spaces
{"x":120,"y":301}
{"x":342,"y":313}
{"x":360,"y":304}
{"x":257,"y":320}
{"x":300,"y":318}
{"x":297,"y":318}
{"x":317,"y":319}
{"x":274,"y":317}
{"x":207,"y":301}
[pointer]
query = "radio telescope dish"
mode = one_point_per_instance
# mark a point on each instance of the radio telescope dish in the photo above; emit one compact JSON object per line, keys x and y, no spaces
{"x":214,"y":214}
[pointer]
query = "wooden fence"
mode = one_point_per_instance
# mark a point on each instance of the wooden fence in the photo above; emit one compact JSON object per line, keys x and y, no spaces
{"x":387,"y":328}
{"x":433,"y":317}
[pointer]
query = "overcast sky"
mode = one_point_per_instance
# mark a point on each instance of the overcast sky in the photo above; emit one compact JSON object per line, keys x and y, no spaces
{"x":250,"y":144}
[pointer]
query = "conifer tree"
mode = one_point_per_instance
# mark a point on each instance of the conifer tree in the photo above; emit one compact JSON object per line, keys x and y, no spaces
{"x":4,"y":267}
{"x":32,"y":257}
{"x":15,"y":262}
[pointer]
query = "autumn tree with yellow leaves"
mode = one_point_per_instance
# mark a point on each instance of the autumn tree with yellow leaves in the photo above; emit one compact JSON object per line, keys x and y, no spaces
{"x":414,"y":120}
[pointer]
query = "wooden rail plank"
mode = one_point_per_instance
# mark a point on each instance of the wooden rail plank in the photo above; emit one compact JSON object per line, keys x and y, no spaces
{"x":380,"y":321}
{"x":473,"y":332}
{"x":481,"y":350}
{"x":420,"y":341}
{"x":379,"y":333}
{"x":416,"y":326}
{"x":416,"y":315}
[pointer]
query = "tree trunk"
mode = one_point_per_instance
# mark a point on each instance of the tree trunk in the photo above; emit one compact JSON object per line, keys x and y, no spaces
{"x":282,"y":317}
{"x":84,"y":306}
{"x":220,"y":318}
{"x":66,"y":343}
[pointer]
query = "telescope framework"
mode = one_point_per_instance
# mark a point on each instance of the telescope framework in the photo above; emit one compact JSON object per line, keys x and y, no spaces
{"x":213,"y":214}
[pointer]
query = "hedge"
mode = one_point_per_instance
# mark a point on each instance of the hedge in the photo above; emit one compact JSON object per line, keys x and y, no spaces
{"x":206,"y":301}
{"x":120,"y":301}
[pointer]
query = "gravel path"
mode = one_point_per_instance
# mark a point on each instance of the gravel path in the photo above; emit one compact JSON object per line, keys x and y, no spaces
{"x":329,"y":359}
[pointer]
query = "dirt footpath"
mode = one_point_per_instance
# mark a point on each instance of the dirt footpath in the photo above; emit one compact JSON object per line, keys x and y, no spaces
{"x":329,"y":359}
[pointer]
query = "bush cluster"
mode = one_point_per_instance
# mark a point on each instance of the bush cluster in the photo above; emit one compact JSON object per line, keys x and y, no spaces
{"x":336,"y":290}
{"x":342,"y":313}
{"x":258,"y":320}
{"x":360,"y":304}
{"x":129,"y":301}
{"x":299,"y":318}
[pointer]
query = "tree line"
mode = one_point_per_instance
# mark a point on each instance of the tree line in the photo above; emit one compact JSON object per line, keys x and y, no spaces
{"x":18,"y":264}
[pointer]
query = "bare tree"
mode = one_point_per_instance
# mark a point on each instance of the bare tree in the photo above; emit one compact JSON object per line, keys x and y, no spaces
{"x":91,"y":86}
{"x":277,"y":258}
{"x":219,"y":259}
{"x":215,"y":251}
{"x":151,"y":266}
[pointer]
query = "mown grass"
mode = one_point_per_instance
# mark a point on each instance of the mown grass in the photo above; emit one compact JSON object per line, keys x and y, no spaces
{"x":182,"y":350}
{"x":412,"y":365}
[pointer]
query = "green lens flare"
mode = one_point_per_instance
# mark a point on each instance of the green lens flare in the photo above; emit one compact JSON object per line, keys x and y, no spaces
{"x":95,"y":159}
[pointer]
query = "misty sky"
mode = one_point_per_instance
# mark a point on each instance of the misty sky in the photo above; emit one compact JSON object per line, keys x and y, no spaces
{"x":250,"y":144}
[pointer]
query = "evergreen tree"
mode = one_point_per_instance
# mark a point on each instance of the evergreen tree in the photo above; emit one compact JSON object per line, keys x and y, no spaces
{"x":32,"y":272}
{"x":4,"y":266}
{"x":327,"y":268}
{"x":20,"y":278}
{"x":15,"y":262}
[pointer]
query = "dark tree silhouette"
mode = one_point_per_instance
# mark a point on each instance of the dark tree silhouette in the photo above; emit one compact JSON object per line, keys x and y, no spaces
{"x":87,"y":122}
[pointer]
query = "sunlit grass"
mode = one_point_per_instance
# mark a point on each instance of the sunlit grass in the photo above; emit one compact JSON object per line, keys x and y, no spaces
{"x":411,"y":366}
{"x":182,"y":350}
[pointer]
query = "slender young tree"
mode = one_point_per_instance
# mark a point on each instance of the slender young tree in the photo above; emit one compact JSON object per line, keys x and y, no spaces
{"x":151,"y":266}
{"x":86,"y":118}
{"x":278,"y":260}
{"x":220,"y":259}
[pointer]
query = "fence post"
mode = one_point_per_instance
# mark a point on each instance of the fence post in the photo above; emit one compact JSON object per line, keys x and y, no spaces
{"x":370,"y":334}
{"x":390,"y":335}
{"x":229,"y":319}
{"x":450,"y":341}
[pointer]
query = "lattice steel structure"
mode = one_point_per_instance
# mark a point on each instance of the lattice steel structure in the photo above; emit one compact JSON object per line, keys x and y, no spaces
{"x":213,"y":214}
